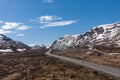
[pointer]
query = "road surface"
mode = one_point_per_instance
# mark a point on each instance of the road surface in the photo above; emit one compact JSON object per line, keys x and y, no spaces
{"x":98,"y":67}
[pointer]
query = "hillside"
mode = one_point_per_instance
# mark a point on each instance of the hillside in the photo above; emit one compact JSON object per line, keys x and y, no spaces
{"x":9,"y":45}
{"x":107,"y":35}
{"x":34,"y":65}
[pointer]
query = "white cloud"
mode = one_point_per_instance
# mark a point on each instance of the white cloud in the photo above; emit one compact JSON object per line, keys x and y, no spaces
{"x":2,"y":31}
{"x":46,"y":19}
{"x":48,"y":1}
{"x":20,"y":34}
{"x":53,"y":21}
{"x":60,"y":23}
{"x":14,"y":25}
{"x":10,"y":25}
{"x":23,"y":27}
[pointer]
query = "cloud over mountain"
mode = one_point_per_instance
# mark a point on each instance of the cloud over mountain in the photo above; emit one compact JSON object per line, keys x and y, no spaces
{"x":12,"y":27}
{"x":53,"y":21}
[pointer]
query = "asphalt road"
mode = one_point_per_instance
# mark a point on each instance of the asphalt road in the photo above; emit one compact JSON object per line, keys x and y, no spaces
{"x":98,"y":67}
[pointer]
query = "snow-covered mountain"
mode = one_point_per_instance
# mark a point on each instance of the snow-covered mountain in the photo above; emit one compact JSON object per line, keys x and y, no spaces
{"x":101,"y":35}
{"x":40,"y":46}
{"x":9,"y":45}
{"x":37,"y":46}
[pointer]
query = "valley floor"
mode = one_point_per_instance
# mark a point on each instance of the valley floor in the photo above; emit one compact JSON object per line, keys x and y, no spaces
{"x":112,"y":60}
{"x":34,"y":65}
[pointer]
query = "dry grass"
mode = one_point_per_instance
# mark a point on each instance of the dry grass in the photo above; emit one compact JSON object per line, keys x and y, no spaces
{"x":110,"y":60}
{"x":34,"y":65}
{"x":12,"y":76}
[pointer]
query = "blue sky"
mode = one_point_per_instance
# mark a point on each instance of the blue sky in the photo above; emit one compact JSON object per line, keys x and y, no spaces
{"x":43,"y":21}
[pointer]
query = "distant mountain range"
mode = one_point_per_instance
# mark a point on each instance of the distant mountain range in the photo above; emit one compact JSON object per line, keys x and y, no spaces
{"x":9,"y":45}
{"x":105,"y":35}
{"x":40,"y":46}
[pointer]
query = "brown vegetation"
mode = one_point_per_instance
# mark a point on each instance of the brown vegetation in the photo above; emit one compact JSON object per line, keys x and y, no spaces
{"x":91,"y":56}
{"x":34,"y":65}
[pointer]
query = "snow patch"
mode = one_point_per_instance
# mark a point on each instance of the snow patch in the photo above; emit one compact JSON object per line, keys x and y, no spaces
{"x":6,"y":50}
{"x":101,"y":35}
{"x":20,"y":50}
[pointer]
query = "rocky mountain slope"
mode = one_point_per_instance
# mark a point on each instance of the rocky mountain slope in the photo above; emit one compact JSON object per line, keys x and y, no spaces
{"x":9,"y":45}
{"x":105,"y":35}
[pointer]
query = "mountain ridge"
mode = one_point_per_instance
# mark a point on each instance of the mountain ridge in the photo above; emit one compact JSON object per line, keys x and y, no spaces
{"x":106,"y":35}
{"x":7,"y":43}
